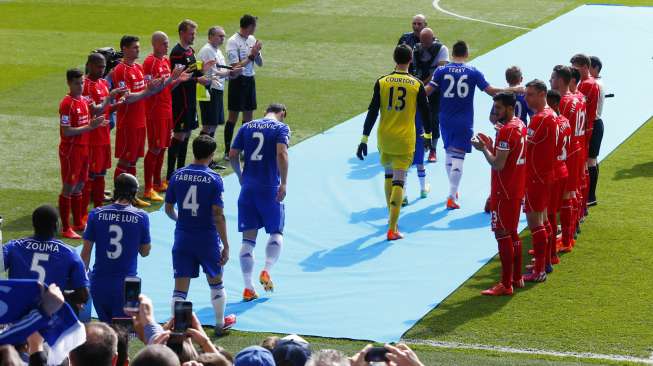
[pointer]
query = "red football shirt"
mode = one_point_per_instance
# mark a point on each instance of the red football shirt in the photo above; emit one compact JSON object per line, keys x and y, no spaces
{"x":541,"y":147}
{"x":74,"y":112}
{"x":592,"y":91}
{"x":97,"y":91}
{"x":158,"y":105}
{"x":508,"y":183}
{"x":562,"y":146}
{"x":130,"y":76}
{"x":573,"y":108}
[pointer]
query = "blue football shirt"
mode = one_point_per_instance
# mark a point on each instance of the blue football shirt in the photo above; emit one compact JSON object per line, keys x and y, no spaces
{"x":258,"y":140}
{"x":48,"y":261}
{"x":118,"y":231}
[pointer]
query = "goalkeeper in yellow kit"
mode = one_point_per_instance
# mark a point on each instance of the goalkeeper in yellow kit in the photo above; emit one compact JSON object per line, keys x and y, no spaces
{"x":398,"y":96}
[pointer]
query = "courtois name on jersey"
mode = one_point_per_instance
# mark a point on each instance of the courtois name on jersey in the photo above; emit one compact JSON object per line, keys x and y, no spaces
{"x":456,"y":83}
{"x":258,"y":140}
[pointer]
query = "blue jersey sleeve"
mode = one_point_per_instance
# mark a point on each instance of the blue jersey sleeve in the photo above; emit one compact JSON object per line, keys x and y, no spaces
{"x":238,"y":142}
{"x":170,"y":192}
{"x":284,"y":136}
{"x":481,"y":83}
{"x":78,"y":278}
{"x":6,"y":255}
{"x":437,"y":78}
{"x":219,"y":189}
{"x":145,"y":230}
{"x":89,"y":232}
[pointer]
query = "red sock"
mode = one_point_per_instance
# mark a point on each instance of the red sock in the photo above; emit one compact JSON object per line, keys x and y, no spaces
{"x":539,"y":245}
{"x":76,"y":205}
{"x":64,"y":211}
{"x":566,"y":221}
{"x":553,"y":238}
{"x":549,"y":235}
{"x":158,"y":167}
{"x":87,"y":192}
{"x":506,"y":254}
{"x":517,"y":256}
{"x":148,"y":168}
{"x":119,"y":170}
{"x":132,"y":169}
{"x":98,"y":191}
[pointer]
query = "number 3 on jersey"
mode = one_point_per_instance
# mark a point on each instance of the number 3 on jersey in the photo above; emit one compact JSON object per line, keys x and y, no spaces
{"x":190,"y":201}
{"x":401,"y":98}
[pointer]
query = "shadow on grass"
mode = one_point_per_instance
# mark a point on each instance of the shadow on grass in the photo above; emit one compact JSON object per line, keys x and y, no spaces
{"x":643,"y":170}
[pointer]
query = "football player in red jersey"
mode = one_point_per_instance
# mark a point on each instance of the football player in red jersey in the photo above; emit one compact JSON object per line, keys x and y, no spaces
{"x":75,"y":123}
{"x":581,"y":197}
{"x":507,"y":159}
{"x":540,"y":159}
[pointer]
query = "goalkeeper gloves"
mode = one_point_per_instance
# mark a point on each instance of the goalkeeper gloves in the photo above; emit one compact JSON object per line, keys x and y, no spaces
{"x":362,"y":148}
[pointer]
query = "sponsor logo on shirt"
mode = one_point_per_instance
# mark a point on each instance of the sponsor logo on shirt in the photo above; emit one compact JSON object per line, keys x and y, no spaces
{"x":503,"y":144}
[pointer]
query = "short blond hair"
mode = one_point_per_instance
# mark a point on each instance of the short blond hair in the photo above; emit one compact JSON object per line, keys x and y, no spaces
{"x":185,"y":24}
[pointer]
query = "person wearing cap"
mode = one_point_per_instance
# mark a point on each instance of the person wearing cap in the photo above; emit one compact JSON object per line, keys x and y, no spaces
{"x":291,"y":351}
{"x":121,"y":232}
{"x":254,"y":356}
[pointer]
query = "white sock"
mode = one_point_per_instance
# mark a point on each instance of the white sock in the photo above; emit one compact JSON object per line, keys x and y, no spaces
{"x":273,"y":250}
{"x":406,"y":185}
{"x":447,"y":164}
{"x":421,"y":175}
{"x":247,"y":262}
{"x":177,"y":296}
{"x":219,"y":301}
{"x":456,"y":175}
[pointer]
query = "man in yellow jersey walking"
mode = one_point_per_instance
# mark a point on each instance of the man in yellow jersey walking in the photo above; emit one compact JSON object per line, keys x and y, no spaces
{"x":398,"y":96}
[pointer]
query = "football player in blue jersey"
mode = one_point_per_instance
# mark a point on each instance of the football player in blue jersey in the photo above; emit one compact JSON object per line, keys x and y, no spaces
{"x":264,"y":144}
{"x":456,"y":83}
{"x":201,"y":229}
{"x":120,"y":233}
{"x":42,"y":257}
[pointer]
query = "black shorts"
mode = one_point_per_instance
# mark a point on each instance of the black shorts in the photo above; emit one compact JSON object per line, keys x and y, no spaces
{"x":242,"y":94}
{"x":185,"y":119}
{"x":212,"y":111}
{"x":595,"y":140}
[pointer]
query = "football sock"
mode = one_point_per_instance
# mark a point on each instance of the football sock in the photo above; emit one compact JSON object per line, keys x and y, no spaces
{"x":64,"y":211}
{"x":247,"y":262}
{"x":506,"y":253}
{"x":566,"y":221}
{"x":594,"y":177}
{"x":457,"y":160}
{"x":119,"y":170}
{"x":76,"y":206}
{"x":158,"y":166}
{"x":553,"y":238}
{"x":395,"y":203}
{"x":173,"y":151}
{"x":228,"y":135}
{"x":421,"y":175}
{"x":387,"y":187}
{"x":273,"y":250}
{"x":181,"y":154}
{"x":131,"y":169}
{"x":549,"y":235}
{"x":87,"y":191}
{"x":218,"y":300}
{"x":517,"y":256}
{"x":98,"y":190}
{"x":148,"y":168}
{"x":539,"y":246}
{"x":177,"y":296}
{"x":447,"y":164}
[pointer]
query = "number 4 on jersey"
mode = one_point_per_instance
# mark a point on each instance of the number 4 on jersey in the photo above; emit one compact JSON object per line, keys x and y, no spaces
{"x":190,"y":201}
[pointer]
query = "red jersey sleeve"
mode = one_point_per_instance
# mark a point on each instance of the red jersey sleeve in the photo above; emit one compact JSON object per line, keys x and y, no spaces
{"x":65,"y":112}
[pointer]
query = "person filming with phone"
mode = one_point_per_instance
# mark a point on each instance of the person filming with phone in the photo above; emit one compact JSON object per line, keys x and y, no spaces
{"x":121,"y":232}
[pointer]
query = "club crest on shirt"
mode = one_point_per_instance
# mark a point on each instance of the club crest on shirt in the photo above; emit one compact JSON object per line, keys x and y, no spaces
{"x":530,"y":132}
{"x":503,"y":144}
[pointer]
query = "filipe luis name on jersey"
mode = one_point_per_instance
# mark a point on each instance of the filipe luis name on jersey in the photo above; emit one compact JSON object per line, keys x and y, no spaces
{"x":118,"y":217}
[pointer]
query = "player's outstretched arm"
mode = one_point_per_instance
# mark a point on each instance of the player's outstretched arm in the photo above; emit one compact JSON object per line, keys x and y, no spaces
{"x":170,"y":211}
{"x":370,"y":120}
{"x":282,"y":163}
{"x":234,"y":160}
{"x":221,"y":226}
{"x":96,"y":122}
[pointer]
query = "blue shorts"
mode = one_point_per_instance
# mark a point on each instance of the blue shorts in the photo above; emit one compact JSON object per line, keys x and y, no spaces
{"x":108,"y":294}
{"x":457,"y":137}
{"x":418,"y":157}
{"x":258,"y":207}
{"x":196,"y":248}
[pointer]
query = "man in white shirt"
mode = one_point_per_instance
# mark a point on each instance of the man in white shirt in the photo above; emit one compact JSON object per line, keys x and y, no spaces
{"x":242,"y":50}
{"x":211,"y":96}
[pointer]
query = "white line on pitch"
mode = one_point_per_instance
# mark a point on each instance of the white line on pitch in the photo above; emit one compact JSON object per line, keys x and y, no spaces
{"x":436,"y":5}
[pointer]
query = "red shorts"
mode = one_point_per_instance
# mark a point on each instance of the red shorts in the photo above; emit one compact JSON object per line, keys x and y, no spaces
{"x":130,"y":143}
{"x":159,"y":132}
{"x":74,"y":163}
{"x":99,"y":158}
{"x":537,"y":197}
{"x":558,"y":188}
{"x":505,"y":214}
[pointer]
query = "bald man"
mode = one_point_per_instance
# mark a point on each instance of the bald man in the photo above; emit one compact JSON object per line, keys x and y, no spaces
{"x":412,"y":38}
{"x":428,"y":55}
{"x":100,"y":348}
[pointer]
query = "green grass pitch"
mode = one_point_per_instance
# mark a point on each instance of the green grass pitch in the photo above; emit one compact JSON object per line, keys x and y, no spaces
{"x":322,"y":57}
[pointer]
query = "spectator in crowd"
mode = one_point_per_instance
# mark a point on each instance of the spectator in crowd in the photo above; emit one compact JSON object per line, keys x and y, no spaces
{"x":123,"y":345}
{"x":9,"y":356}
{"x":399,"y":355}
{"x":155,"y":355}
{"x":412,"y":38}
{"x":291,"y":351}
{"x":213,"y":359}
{"x":331,"y":357}
{"x":243,"y":50}
{"x":270,"y":342}
{"x":254,"y":356}
{"x":100,"y":348}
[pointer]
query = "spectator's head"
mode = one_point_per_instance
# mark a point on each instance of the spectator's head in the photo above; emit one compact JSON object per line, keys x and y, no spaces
{"x":100,"y":348}
{"x":553,"y":99}
{"x":328,"y":357}
{"x":187,"y":29}
{"x":582,"y":63}
{"x":248,"y":24}
{"x":75,"y":79}
{"x":226,"y":354}
{"x":290,"y":352}
{"x":403,"y":54}
{"x":270,"y":342}
{"x":426,"y":37}
{"x":213,"y":359}
{"x":254,"y":356}
{"x":9,"y":356}
{"x":160,"y":43}
{"x":536,"y":94}
{"x":184,"y":349}
{"x":203,"y":148}
{"x":95,"y":65}
{"x":560,"y":77}
{"x":125,"y":187}
{"x":123,"y":345}
{"x":130,"y":47}
{"x":460,"y":50}
{"x":279,"y":111}
{"x":595,"y":66}
{"x":45,"y":220}
{"x":514,"y":76}
{"x":419,"y":22}
{"x":155,"y":355}
{"x":504,"y":106}
{"x":216,"y":36}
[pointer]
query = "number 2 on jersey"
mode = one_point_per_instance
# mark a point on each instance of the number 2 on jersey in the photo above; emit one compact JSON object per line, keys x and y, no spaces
{"x":462,"y":88}
{"x":520,"y":158}
{"x":256,"y":154}
{"x":401,"y":98}
{"x":190,"y":201}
